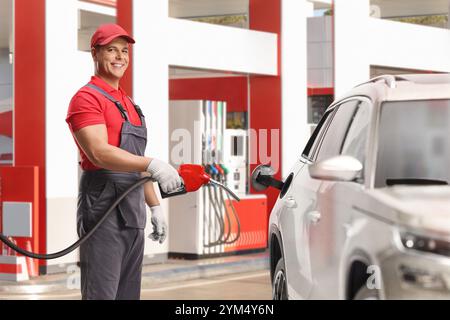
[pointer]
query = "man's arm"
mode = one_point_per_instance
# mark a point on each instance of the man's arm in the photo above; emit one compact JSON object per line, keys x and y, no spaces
{"x":158,"y":219}
{"x":149,"y":191}
{"x":93,"y":140}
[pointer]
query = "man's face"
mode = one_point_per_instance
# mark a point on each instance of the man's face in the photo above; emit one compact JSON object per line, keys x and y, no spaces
{"x":112,"y":59}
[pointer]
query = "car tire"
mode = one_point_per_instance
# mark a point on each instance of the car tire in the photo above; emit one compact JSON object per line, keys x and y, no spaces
{"x":279,"y":283}
{"x":364,"y":293}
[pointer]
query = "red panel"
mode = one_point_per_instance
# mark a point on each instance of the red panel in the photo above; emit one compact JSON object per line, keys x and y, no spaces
{"x":21,"y":184}
{"x":29,"y":97}
{"x":253,"y":228}
{"x":265,"y":92}
{"x":320,"y":91}
{"x":125,"y":19}
{"x":109,"y":3}
{"x":6,"y":121}
{"x":233,"y":90}
{"x":18,"y":183}
{"x":11,"y":268}
{"x":266,"y":16}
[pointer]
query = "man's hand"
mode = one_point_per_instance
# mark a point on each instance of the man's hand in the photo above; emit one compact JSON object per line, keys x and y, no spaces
{"x":159,"y":225}
{"x":166,"y":175}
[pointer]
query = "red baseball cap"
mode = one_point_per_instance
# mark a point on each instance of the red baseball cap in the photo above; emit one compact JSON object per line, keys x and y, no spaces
{"x":107,"y":33}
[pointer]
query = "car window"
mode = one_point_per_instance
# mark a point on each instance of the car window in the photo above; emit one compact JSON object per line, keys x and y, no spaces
{"x":356,"y":139}
{"x":315,"y":137}
{"x":413,"y":143}
{"x":333,"y":139}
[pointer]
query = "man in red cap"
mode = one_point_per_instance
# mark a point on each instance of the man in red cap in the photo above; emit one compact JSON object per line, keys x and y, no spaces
{"x":110,"y":132}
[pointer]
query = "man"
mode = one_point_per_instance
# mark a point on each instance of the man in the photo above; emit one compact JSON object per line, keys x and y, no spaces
{"x":110,"y":132}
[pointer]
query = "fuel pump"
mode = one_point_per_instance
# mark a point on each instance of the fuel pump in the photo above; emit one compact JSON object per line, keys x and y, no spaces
{"x":210,"y":222}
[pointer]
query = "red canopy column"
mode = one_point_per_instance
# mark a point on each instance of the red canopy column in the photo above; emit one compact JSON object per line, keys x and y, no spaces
{"x":265,"y":91}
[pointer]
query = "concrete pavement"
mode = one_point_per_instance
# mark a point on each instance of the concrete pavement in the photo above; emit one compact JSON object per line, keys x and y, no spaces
{"x":172,"y":271}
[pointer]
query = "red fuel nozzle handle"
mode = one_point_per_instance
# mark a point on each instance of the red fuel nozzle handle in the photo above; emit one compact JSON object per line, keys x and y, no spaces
{"x":194,"y":176}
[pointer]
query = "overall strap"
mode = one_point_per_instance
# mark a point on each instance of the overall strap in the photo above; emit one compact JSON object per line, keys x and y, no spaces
{"x":111,"y":98}
{"x":138,"y":110}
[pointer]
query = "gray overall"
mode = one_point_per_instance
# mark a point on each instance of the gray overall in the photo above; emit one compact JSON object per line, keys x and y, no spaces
{"x":111,"y":260}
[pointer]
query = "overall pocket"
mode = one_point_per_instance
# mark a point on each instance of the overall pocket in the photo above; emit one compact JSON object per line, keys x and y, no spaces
{"x":98,"y":197}
{"x":132,"y":207}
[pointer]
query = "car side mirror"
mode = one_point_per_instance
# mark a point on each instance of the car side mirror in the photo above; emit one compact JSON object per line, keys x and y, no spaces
{"x":339,"y":168}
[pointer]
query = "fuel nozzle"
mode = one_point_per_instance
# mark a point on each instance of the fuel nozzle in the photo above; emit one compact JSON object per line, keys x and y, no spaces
{"x":194,"y":177}
{"x":221,"y":173}
{"x":224,"y":169}
{"x":214,"y":172}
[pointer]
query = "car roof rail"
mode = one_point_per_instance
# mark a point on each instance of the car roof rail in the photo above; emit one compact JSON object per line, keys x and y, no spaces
{"x":390,"y":80}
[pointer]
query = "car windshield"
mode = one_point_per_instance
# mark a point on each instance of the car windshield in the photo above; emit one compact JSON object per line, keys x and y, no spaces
{"x":414,"y":143}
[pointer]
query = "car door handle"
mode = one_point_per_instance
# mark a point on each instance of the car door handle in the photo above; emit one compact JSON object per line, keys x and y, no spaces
{"x":314,"y":217}
{"x":290,"y":202}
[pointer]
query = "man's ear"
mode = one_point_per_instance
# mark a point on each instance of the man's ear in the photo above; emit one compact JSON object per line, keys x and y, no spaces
{"x":94,"y":53}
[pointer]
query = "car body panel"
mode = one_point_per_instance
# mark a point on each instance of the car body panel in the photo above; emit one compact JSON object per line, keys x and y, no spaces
{"x":292,"y":226}
{"x":425,"y":208}
{"x":327,"y":237}
{"x":361,"y":223}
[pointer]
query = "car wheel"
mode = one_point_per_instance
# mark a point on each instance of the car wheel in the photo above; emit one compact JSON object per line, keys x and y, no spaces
{"x":365,"y":293}
{"x":279,"y":284}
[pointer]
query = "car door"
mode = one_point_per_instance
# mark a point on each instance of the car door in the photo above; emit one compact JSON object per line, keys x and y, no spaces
{"x":347,"y":134}
{"x":300,"y":198}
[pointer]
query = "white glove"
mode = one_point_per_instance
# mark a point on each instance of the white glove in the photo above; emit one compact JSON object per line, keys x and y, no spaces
{"x":168,"y":178}
{"x":159,"y":225}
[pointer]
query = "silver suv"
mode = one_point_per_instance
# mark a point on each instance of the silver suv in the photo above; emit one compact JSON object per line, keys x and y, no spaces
{"x":365,"y":211}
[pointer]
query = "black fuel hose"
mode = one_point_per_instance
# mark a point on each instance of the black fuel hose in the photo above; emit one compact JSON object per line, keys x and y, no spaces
{"x":227,"y":214}
{"x":221,"y":239}
{"x":222,"y":221}
{"x":236,"y":218}
{"x":218,"y":219}
{"x":84,"y":238}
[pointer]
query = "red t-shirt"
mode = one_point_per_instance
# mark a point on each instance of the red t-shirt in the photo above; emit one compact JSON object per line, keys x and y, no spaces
{"x":89,"y":107}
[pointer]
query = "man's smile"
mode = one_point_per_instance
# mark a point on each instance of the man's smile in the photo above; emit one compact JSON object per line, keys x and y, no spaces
{"x":118,"y":65}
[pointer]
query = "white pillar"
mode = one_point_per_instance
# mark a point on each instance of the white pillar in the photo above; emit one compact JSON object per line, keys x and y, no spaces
{"x":151,"y":89}
{"x":351,"y":44}
{"x":294,"y":70}
{"x":151,"y":72}
{"x":62,"y":81}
